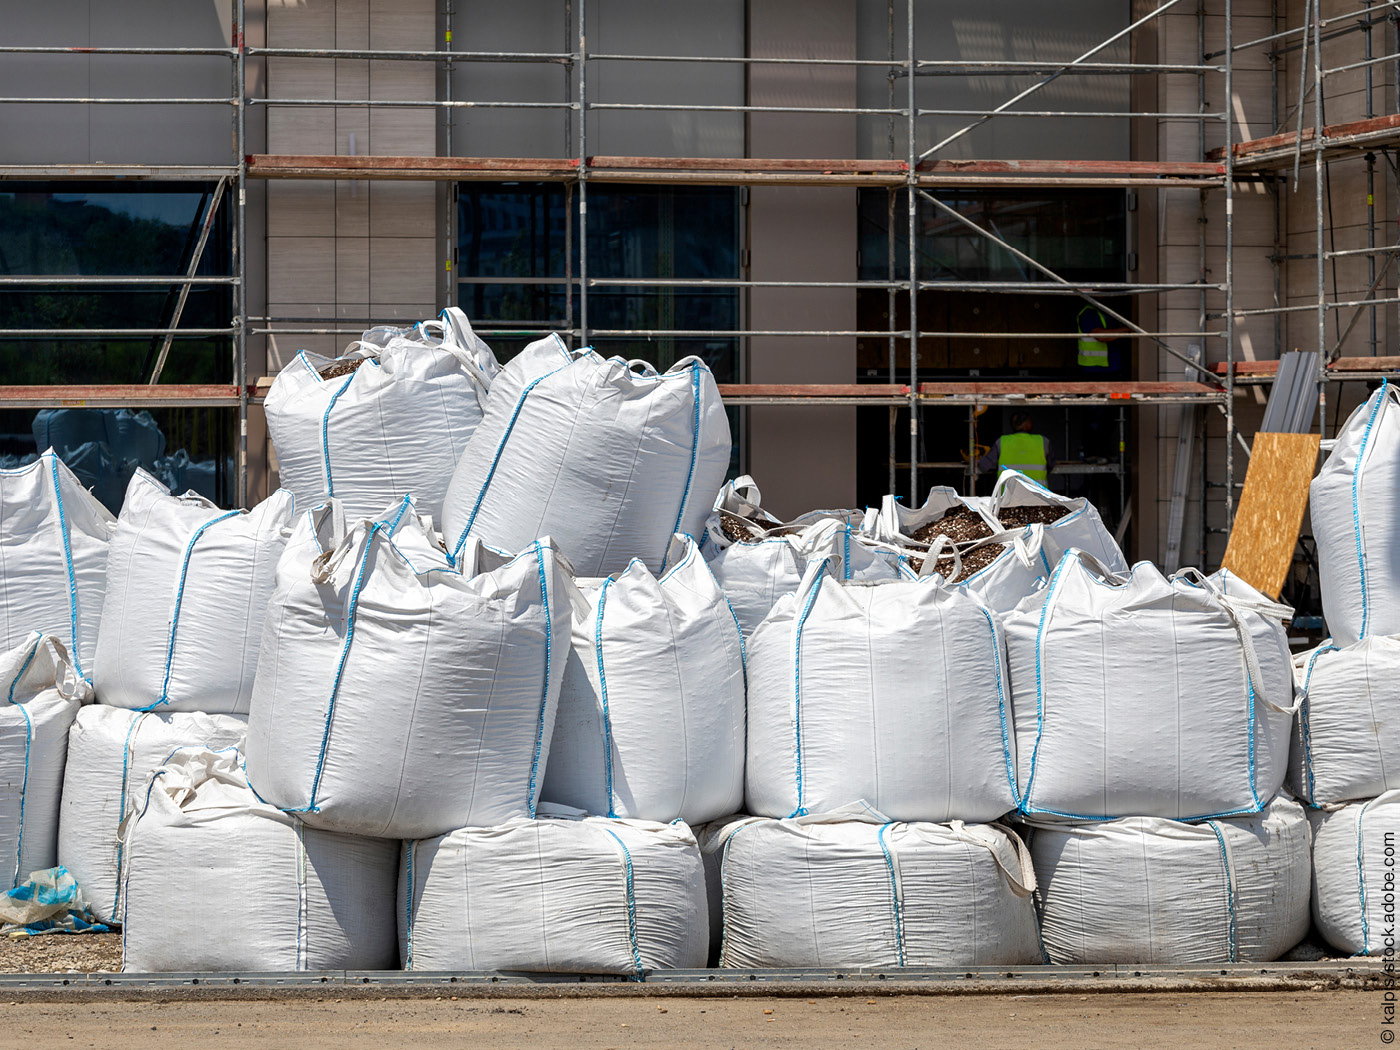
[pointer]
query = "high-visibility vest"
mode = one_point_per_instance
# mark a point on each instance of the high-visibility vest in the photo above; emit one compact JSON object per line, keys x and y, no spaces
{"x":1092,"y":352}
{"x":1026,"y":453}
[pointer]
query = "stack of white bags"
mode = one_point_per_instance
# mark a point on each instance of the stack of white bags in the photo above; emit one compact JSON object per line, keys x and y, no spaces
{"x":495,"y":682}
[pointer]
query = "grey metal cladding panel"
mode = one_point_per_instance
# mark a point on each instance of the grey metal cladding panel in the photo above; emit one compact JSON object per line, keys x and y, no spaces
{"x":76,"y":134}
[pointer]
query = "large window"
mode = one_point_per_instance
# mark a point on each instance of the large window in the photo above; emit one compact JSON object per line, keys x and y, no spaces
{"x":519,"y":260}
{"x":53,"y":232}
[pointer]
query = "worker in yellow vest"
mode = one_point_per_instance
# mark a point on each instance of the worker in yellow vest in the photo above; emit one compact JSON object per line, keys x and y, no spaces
{"x":1093,"y":347}
{"x":1022,"y":450}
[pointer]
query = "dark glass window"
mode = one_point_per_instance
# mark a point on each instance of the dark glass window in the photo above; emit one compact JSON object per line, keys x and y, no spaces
{"x":1079,"y":234}
{"x":56,"y":229}
{"x":519,"y":260}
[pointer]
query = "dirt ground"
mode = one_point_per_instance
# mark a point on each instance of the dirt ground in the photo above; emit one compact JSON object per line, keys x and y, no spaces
{"x":1297,"y":1020}
{"x":61,"y":952}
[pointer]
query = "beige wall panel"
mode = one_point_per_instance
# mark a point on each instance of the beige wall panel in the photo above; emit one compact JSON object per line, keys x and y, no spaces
{"x":301,"y":78}
{"x":402,"y":132}
{"x":301,"y":269}
{"x":301,"y":208}
{"x":406,"y":25}
{"x":352,"y":24}
{"x":399,"y":208}
{"x":301,"y":129}
{"x":301,"y":23}
{"x":352,"y":269}
{"x":402,"y":270}
{"x":352,"y":197}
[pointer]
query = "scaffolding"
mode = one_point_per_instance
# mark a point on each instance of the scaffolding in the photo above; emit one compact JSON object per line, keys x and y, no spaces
{"x":916,"y":172}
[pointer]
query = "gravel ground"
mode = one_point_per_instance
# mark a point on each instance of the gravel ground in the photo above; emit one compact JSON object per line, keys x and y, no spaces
{"x":61,"y":953}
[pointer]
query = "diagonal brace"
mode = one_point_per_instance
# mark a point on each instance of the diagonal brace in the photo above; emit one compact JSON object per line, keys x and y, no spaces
{"x":208,"y":224}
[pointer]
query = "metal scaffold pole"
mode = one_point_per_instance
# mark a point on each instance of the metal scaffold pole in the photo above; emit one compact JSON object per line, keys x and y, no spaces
{"x":240,"y":248}
{"x":1228,"y":108}
{"x":913,"y":213}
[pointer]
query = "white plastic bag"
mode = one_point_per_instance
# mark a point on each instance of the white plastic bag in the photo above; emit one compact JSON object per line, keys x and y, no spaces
{"x":1355,"y":511}
{"x":1079,"y":528}
{"x":1161,"y":892}
{"x":893,"y":692}
{"x":215,"y":879}
{"x":40,"y":693}
{"x":54,"y":535}
{"x":396,"y":696}
{"x":111,"y":752}
{"x":1137,"y":694}
{"x":557,"y":894}
{"x":1346,"y":738}
{"x":738,"y":517}
{"x":651,"y":710}
{"x":187,"y":591}
{"x":1353,"y":859}
{"x":756,"y":573}
{"x":394,"y":426}
{"x":608,"y":457}
{"x":849,"y":889}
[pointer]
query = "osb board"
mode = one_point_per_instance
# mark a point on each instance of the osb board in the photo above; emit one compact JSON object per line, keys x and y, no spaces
{"x":1271,"y":509}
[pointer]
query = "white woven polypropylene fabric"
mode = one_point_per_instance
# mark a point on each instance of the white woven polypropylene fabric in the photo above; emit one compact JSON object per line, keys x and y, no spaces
{"x":396,"y":696}
{"x":1346,"y":738}
{"x":1141,"y":695}
{"x":830,"y":891}
{"x":40,"y":693}
{"x":1080,"y":528}
{"x":215,"y":879}
{"x":892,"y":692}
{"x":555,"y":895}
{"x":1354,"y":505}
{"x":608,"y":457}
{"x":651,"y":710}
{"x":395,"y":426}
{"x":741,"y":499}
{"x":54,"y":536}
{"x":111,"y":752}
{"x":1353,"y":863}
{"x":187,"y":590}
{"x":1153,"y":891}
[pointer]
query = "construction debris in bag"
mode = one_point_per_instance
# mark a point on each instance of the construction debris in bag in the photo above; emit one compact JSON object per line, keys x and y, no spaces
{"x":1020,"y":517}
{"x":343,"y":367}
{"x":960,"y":525}
{"x":739,"y":529}
{"x":972,"y":562}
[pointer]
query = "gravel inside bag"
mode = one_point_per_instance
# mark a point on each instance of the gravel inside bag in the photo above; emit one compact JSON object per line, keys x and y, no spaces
{"x":960,"y":525}
{"x":1020,"y":517}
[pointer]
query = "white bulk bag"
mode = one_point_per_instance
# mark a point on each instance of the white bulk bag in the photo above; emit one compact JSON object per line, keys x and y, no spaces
{"x":53,"y":537}
{"x":835,"y":891}
{"x":756,"y":573}
{"x":187,"y":591}
{"x":1354,"y":504}
{"x":40,"y":693}
{"x":1353,"y":863}
{"x":1346,"y":738}
{"x":394,"y":426}
{"x":893,"y":522}
{"x":215,"y":879}
{"x":651,"y":709}
{"x":111,"y":752}
{"x":1143,"y":890}
{"x":1138,"y":694}
{"x":1080,"y":527}
{"x":608,"y":457}
{"x":1020,"y":568}
{"x":891,"y":692}
{"x":396,"y":696}
{"x":562,"y":895}
{"x":738,"y":517}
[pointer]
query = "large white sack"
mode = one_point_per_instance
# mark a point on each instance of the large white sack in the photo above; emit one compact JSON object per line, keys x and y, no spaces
{"x":1138,"y":694}
{"x":53,"y":543}
{"x":1354,"y":504}
{"x":111,"y":752}
{"x":756,"y":573}
{"x":849,"y":889}
{"x":738,"y":517}
{"x":216,"y":879}
{"x":1153,"y":891}
{"x":651,"y":709}
{"x":394,"y":426}
{"x":397,"y":696}
{"x":187,"y":591}
{"x":893,"y":522}
{"x":608,"y":457}
{"x":1019,"y":566}
{"x":40,"y":693}
{"x":1080,"y":527}
{"x":563,"y":895}
{"x":1346,"y":738}
{"x":891,"y":692}
{"x":1353,"y":865}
